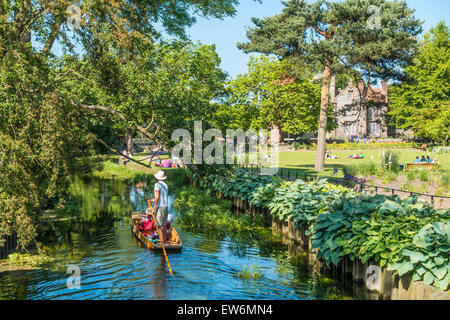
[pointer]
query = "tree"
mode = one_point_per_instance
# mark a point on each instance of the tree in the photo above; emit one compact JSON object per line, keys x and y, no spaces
{"x":339,"y":37}
{"x":167,"y":87}
{"x":422,"y":102}
{"x":272,"y":93}
{"x":43,"y":130}
{"x":37,"y":151}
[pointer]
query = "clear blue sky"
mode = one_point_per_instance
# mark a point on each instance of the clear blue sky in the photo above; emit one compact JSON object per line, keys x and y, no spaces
{"x":226,"y":33}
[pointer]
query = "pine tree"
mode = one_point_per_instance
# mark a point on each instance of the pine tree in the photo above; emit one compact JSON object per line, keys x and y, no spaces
{"x":375,"y":38}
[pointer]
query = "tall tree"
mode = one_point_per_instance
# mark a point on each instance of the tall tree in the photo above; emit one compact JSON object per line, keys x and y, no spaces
{"x":422,"y":102}
{"x":272,"y":93}
{"x":166,"y":87}
{"x":42,"y":126}
{"x":375,"y":38}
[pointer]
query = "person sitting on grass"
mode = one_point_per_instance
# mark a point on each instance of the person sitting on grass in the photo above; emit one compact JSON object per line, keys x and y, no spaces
{"x":417,"y":160}
{"x":158,"y":161}
{"x":429,"y":159}
{"x":423,"y":160}
{"x":330,"y":156}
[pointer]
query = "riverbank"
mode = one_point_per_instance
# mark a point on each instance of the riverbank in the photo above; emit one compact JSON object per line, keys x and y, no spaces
{"x":213,"y":265}
{"x":338,"y":229}
{"x":253,"y":193}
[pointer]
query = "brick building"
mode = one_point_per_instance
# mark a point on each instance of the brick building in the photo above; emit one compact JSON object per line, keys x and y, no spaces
{"x":356,"y":119}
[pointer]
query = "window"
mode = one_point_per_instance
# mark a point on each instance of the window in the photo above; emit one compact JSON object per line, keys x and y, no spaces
{"x":350,"y":94}
{"x":373,"y":112}
{"x":350,"y":128}
{"x":374,"y":129}
{"x":350,"y":110}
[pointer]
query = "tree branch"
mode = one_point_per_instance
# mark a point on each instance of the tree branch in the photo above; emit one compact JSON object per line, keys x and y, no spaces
{"x":116,"y":113}
{"x":119,"y":153}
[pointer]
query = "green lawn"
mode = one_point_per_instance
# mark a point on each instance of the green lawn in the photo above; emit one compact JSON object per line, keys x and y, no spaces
{"x":303,"y":161}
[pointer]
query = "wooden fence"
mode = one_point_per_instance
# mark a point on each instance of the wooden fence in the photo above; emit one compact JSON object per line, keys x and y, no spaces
{"x":436,"y":201}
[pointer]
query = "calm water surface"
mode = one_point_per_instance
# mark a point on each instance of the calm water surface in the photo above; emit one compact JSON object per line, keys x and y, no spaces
{"x":114,"y":267}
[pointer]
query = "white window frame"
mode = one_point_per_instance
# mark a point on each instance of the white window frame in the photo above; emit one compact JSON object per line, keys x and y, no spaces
{"x":350,"y":128}
{"x":374,"y":125}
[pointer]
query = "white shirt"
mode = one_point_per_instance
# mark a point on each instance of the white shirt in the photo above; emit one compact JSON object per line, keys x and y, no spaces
{"x":163,"y":194}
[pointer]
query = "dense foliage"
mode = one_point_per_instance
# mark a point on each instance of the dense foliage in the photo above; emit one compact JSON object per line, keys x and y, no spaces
{"x":37,"y":152}
{"x":272,"y":93}
{"x":51,"y":107}
{"x":379,"y":229}
{"x":422,"y":102}
{"x":338,"y":37}
{"x":407,"y":236}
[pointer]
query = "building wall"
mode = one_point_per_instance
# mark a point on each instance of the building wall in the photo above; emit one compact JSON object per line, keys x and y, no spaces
{"x":353,"y":120}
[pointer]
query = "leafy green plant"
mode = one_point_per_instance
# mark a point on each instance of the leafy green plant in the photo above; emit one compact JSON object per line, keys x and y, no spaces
{"x":444,"y":180}
{"x":405,"y":185}
{"x":343,"y":223}
{"x":371,"y":228}
{"x":423,"y":175}
{"x":411,"y":175}
{"x":302,"y":201}
{"x":427,"y":256}
{"x":252,"y":272}
{"x":200,"y":211}
{"x":365,"y":169}
{"x":390,"y":160}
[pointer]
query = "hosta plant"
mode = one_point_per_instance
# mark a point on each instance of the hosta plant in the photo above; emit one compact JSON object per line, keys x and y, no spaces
{"x":427,"y":257}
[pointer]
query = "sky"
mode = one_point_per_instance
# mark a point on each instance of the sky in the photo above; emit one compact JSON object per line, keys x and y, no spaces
{"x":226,"y":33}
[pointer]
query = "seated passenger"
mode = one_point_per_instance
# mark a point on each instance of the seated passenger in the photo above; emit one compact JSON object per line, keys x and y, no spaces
{"x":166,"y":163}
{"x":147,"y":224}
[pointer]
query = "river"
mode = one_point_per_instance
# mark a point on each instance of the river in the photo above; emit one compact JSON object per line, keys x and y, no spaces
{"x":112,"y":265}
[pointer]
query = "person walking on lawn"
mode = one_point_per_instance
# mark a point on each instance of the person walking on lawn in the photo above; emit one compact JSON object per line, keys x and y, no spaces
{"x":161,"y":201}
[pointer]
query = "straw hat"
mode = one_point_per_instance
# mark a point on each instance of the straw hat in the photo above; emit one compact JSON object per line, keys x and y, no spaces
{"x":161,"y":175}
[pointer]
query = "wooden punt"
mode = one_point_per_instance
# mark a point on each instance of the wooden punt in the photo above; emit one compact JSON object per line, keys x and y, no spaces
{"x":172,"y":244}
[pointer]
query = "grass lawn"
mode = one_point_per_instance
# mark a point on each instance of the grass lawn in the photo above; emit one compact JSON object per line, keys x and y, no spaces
{"x":109,"y":167}
{"x":303,"y":161}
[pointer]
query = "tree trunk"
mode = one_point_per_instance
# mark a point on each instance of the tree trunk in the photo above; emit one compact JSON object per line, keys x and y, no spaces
{"x":322,"y":133}
{"x":55,"y":29}
{"x":129,"y":140}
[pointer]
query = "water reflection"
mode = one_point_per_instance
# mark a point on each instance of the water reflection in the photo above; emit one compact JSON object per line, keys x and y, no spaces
{"x":98,"y":239}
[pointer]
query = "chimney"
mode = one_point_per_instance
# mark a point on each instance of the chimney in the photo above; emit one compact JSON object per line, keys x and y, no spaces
{"x":333,"y":88}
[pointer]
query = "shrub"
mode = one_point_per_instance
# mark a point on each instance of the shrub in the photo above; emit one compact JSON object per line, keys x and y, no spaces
{"x":343,"y":223}
{"x":390,"y":160}
{"x":364,"y":169}
{"x":444,"y":180}
{"x":411,"y":175}
{"x":423,"y":175}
